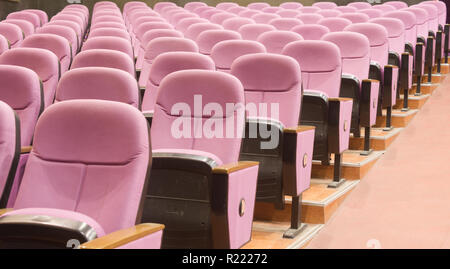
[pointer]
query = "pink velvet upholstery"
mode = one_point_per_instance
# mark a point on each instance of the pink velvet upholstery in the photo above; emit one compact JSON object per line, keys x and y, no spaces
{"x":267,"y":10}
{"x":4,"y":44}
{"x":433,"y":16}
{"x":265,"y":17}
{"x":360,"y":5}
{"x":43,"y":17}
{"x":226,"y":5}
{"x":68,"y":17}
{"x":196,"y":29}
{"x":74,"y":26}
{"x":325,"y":5}
{"x":212,"y":87}
{"x":219,"y":18}
{"x":285,"y":24}
{"x":161,"y":45}
{"x":26,"y":26}
{"x":310,"y":18}
{"x":384,"y":8}
{"x":106,"y":18}
{"x":110,"y":32}
{"x":271,"y":79}
{"x":54,"y":43}
{"x":236,"y":10}
{"x":44,"y":62}
{"x":397,"y":4}
{"x":311,"y":31}
{"x":68,"y":33}
{"x":104,"y":168}
{"x":329,"y":13}
{"x":235,"y":23}
{"x":249,"y":13}
{"x":372,"y":13}
{"x":184,"y":24}
{"x":224,"y":53}
{"x":193,"y":5}
{"x":109,"y":24}
{"x":110,"y":43}
{"x":288,"y":13}
{"x":147,"y":26}
{"x":258,"y":5}
{"x":355,"y":17}
{"x":313,"y":9}
{"x":104,"y":58}
{"x":8,"y":141}
{"x":160,"y":5}
{"x":409,"y":20}
{"x":207,"y":39}
{"x":166,"y":64}
{"x":422,"y":20}
{"x":320,"y":62}
{"x":335,"y":24}
{"x":12,"y":32}
{"x":275,"y":41}
{"x":252,"y":31}
{"x":396,"y":33}
{"x":442,"y":10}
{"x":291,"y":5}
{"x":179,"y":16}
{"x":27,"y":16}
{"x":346,"y":9}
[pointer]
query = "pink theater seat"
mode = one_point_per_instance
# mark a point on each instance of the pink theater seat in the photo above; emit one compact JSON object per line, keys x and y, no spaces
{"x":109,"y":25}
{"x":202,"y":155}
{"x":165,"y":64}
{"x":325,"y":5}
{"x":104,"y":58}
{"x":226,"y":5}
{"x":160,"y":5}
{"x":107,"y":18}
{"x":335,"y":24}
{"x":288,"y":13}
{"x":100,"y":83}
{"x":184,"y":24}
{"x":268,"y":10}
{"x":346,"y":9}
{"x":110,"y":43}
{"x":275,"y":41}
{"x":252,"y":31}
{"x":355,"y":83}
{"x":91,"y":163}
{"x":4,"y":44}
{"x":26,"y":26}
{"x":179,"y":16}
{"x":321,"y":66}
{"x":27,"y":16}
{"x":235,"y":23}
{"x":21,"y":89}
{"x":249,"y":13}
{"x":207,"y":39}
{"x":307,"y":10}
{"x":224,"y":53}
{"x":355,"y":17}
{"x":360,"y":5}
{"x":442,"y":9}
{"x":433,"y":16}
{"x":269,"y":80}
{"x":384,"y":8}
{"x":207,"y":14}
{"x":63,"y":31}
{"x":44,"y":62}
{"x":12,"y":32}
{"x":291,"y":5}
{"x":110,"y":32}
{"x":43,"y":17}
{"x":196,"y":29}
{"x":68,"y":17}
{"x":311,"y":31}
{"x":372,"y":13}
{"x":396,"y":4}
{"x":9,"y":150}
{"x":285,"y":24}
{"x":329,"y":13}
{"x":74,"y":26}
{"x":310,"y":18}
{"x":190,"y":6}
{"x":219,"y":18}
{"x":265,"y":17}
{"x":144,"y":28}
{"x":79,"y":14}
{"x":161,"y":45}
{"x":258,"y":5}
{"x":54,"y":43}
{"x":237,"y":10}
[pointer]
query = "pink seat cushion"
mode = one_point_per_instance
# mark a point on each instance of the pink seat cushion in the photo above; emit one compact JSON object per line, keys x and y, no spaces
{"x":59,"y":213}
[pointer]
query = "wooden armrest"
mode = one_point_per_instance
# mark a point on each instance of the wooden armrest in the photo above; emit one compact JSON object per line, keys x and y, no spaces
{"x":391,"y":66}
{"x":5,"y":210}
{"x":371,"y":80}
{"x":123,"y":237}
{"x":26,"y":149}
{"x":148,"y":115}
{"x":298,"y":129}
{"x":233,"y":167}
{"x":340,"y":99}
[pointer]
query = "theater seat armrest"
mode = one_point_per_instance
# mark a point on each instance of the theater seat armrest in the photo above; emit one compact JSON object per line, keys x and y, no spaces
{"x":25,"y":150}
{"x":126,"y":237}
{"x":233,"y":167}
{"x":5,"y":210}
{"x":339,"y":121}
{"x":298,"y":129}
{"x":149,"y":117}
{"x":369,"y":102}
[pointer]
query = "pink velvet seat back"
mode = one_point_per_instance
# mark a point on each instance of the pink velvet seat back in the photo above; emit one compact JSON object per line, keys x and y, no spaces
{"x":180,"y":16}
{"x":271,"y":9}
{"x":311,"y":31}
{"x":177,"y":94}
{"x":325,"y":5}
{"x":219,"y":18}
{"x":226,"y":5}
{"x":68,"y":33}
{"x":291,"y":5}
{"x":355,"y":52}
{"x":384,"y":8}
{"x":378,"y":40}
{"x":433,"y":16}
{"x":265,"y":17}
{"x":110,"y":32}
{"x":329,"y":13}
{"x":409,"y":20}
{"x":68,"y":17}
{"x":236,"y":10}
{"x":320,"y":62}
{"x":346,"y":9}
{"x":160,"y":5}
{"x":196,"y":29}
{"x":224,"y":53}
{"x":396,"y":33}
{"x":9,"y":145}
{"x":100,"y":83}
{"x":207,"y":39}
{"x":275,"y":41}
{"x":372,"y":13}
{"x":109,"y":42}
{"x":249,"y":13}
{"x":396,"y":4}
{"x":83,"y":161}
{"x":442,"y":9}
{"x":166,"y":64}
{"x":106,"y":18}
{"x":74,"y":26}
{"x":258,"y":5}
{"x":108,"y":24}
{"x":285,"y":24}
{"x":12,"y":32}
{"x":253,"y":31}
{"x":360,"y":5}
{"x":422,"y":20}
{"x":20,"y":88}
{"x":44,"y":62}
{"x":288,"y":13}
{"x":193,"y":5}
{"x":43,"y":17}
{"x":184,"y":24}
{"x":26,"y":26}
{"x":271,"y":79}
{"x":235,"y":23}
{"x":104,"y":58}
{"x":311,"y":18}
{"x":27,"y":16}
{"x":147,"y":26}
{"x":355,"y":17}
{"x":54,"y":43}
{"x":335,"y":24}
{"x":4,"y":44}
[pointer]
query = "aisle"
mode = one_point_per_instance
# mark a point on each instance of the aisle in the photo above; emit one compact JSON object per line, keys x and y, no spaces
{"x":404,"y":201}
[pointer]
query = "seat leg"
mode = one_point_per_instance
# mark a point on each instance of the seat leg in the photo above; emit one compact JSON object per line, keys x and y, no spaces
{"x":296,"y":226}
{"x":337,"y":180}
{"x":367,"y":149}
{"x":430,"y":73}
{"x":418,"y":88}
{"x":406,"y":93}
{"x":389,"y":126}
